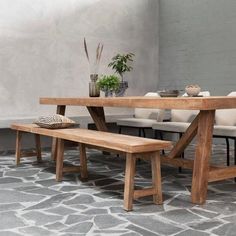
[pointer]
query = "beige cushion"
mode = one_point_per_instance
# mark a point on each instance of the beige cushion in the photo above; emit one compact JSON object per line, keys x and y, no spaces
{"x":146,"y":113}
{"x":186,"y":115}
{"x":223,"y":130}
{"x":54,"y":122}
{"x":176,"y":127}
{"x":136,"y":122}
{"x":226,"y":116}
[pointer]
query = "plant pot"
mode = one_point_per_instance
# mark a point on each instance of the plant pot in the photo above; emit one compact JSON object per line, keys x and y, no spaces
{"x":120,"y":92}
{"x":109,"y":93}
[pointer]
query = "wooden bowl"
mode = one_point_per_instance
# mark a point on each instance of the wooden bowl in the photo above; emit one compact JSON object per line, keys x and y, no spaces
{"x":169,"y":93}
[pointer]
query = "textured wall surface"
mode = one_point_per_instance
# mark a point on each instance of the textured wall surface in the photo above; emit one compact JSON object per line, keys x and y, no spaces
{"x":197,"y":44}
{"x":41,"y":48}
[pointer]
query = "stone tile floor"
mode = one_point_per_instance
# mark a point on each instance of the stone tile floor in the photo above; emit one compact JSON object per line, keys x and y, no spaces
{"x":32,"y":203}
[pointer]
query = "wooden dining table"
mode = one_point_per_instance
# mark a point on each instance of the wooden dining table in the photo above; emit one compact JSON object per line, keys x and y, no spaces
{"x":201,"y":128}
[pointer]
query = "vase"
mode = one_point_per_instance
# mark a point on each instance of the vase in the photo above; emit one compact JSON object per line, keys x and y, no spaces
{"x":108,"y":93}
{"x":93,"y":77}
{"x":120,"y":92}
{"x":94,"y":91}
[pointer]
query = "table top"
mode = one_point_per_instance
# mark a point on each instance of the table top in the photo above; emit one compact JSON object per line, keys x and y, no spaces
{"x":188,"y":103}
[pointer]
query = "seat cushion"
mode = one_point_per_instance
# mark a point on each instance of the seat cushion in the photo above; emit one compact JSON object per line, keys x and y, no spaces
{"x":176,"y":127}
{"x":54,"y":122}
{"x":223,"y":130}
{"x":136,"y":122}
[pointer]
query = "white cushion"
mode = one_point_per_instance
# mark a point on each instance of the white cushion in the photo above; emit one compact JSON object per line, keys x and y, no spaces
{"x":186,"y":115}
{"x":226,"y":116}
{"x":146,"y":113}
{"x":222,"y":130}
{"x":136,"y":122}
{"x":176,"y":127}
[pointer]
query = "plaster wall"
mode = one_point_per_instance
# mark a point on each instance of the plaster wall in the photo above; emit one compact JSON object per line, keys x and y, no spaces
{"x":42,"y":54}
{"x":197,"y":44}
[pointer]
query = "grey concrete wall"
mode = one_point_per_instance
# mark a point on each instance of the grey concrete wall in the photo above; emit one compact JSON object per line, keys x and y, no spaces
{"x":197,"y":44}
{"x":41,"y":49}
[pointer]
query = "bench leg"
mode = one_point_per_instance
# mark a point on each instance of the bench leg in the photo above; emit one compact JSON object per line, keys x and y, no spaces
{"x":129,"y":182}
{"x":18,"y":147}
{"x":38,"y":147}
{"x":60,"y":157}
{"x":83,"y":161}
{"x":156,"y":177}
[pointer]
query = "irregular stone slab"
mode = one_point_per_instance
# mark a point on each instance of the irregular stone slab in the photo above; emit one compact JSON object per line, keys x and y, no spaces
{"x":140,"y":231}
{"x":152,"y":224}
{"x":9,"y":233}
{"x":207,"y":214}
{"x":11,"y":206}
{"x":36,"y":231}
{"x":192,"y":233}
{"x":47,"y":182}
{"x":69,"y":188}
{"x":61,"y":210}
{"x":95,"y":211}
{"x":82,"y":228}
{"x":9,"y":220}
{"x":40,"y":218}
{"x":206,"y":224}
{"x":9,"y":196}
{"x":225,"y":208}
{"x":22,"y":173}
{"x":182,"y":201}
{"x":7,"y":180}
{"x":51,"y":202}
{"x":72,"y":219}
{"x":81,"y":199}
{"x":231,"y":219}
{"x":107,"y":181}
{"x":107,"y":203}
{"x":107,"y":221}
{"x":227,"y":229}
{"x":55,"y":226}
{"x":180,"y":216}
{"x":43,"y":191}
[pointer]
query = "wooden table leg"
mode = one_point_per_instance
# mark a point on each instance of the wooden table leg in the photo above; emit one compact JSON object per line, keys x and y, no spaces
{"x":61,"y":111}
{"x":97,"y":113}
{"x":202,"y":156}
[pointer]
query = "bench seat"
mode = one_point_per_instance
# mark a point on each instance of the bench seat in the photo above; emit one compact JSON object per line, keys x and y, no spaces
{"x":132,"y":146}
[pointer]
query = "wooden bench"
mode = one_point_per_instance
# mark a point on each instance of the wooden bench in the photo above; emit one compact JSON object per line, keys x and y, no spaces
{"x":133,"y":147}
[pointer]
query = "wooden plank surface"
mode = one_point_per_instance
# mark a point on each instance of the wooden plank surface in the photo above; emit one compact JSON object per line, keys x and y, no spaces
{"x":190,"y":103}
{"x":120,"y":142}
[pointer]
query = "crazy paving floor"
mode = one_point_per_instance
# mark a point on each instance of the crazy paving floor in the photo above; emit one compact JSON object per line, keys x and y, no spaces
{"x":33,"y":203}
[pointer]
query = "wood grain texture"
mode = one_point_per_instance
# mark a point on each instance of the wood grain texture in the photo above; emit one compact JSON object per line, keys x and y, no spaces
{"x":185,"y":139}
{"x":129,"y":181}
{"x":61,"y":109}
{"x":120,"y":142}
{"x":38,"y":147}
{"x":202,"y":156}
{"x":190,"y":103}
{"x":60,"y":158}
{"x":156,"y":177}
{"x":83,"y":161}
{"x":18,"y":146}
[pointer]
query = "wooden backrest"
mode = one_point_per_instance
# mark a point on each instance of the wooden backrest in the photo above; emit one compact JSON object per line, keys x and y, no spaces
{"x":120,"y":142}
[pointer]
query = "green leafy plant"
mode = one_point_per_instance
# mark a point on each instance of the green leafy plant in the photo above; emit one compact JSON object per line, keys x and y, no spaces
{"x":108,"y":83}
{"x":120,"y":63}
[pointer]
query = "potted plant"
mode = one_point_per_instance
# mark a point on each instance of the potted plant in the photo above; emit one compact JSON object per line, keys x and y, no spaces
{"x":120,"y":63}
{"x":108,"y":84}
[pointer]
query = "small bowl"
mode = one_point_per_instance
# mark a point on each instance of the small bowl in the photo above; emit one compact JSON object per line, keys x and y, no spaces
{"x":169,"y":93}
{"x":192,"y":90}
